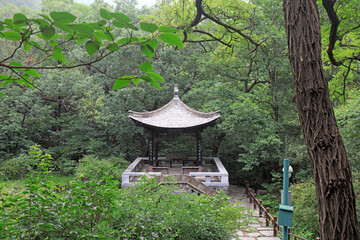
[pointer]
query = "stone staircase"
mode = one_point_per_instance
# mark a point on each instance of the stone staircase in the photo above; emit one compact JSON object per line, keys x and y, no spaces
{"x":257,"y":230}
{"x":187,"y":184}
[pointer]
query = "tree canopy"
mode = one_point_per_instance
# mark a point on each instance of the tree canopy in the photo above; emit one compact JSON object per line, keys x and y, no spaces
{"x":70,"y":72}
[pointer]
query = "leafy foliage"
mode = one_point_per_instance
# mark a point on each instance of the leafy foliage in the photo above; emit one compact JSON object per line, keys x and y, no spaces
{"x":306,"y":219}
{"x":349,"y":124}
{"x":93,"y":207}
{"x":60,"y":29}
{"x":91,"y":165}
{"x":15,"y":167}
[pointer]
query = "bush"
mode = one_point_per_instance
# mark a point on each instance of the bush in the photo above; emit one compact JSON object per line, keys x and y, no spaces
{"x":91,"y":165}
{"x":66,"y":166}
{"x":153,"y":211}
{"x":15,"y":167}
{"x":306,"y":218}
{"x":93,"y":207}
{"x":272,"y":198}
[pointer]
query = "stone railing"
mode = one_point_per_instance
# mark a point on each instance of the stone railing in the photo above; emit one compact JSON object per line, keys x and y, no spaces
{"x":217,"y":178}
{"x":134,"y":170}
{"x":221,"y":173}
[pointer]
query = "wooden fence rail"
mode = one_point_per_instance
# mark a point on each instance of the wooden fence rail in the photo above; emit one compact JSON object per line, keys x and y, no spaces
{"x":264,"y":212}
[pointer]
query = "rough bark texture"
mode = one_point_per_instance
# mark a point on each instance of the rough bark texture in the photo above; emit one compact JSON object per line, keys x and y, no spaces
{"x":333,"y":180}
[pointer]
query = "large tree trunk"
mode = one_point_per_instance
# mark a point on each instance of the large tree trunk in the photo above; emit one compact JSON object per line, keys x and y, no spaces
{"x":333,"y":180}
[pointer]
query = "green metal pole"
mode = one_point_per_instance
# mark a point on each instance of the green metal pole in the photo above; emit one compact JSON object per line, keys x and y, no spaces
{"x":285,"y":199}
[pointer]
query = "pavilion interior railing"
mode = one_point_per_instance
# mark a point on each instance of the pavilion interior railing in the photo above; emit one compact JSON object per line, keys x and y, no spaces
{"x":264,"y":212}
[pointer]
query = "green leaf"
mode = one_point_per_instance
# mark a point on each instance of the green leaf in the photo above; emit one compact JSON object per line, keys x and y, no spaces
{"x":123,"y":41}
{"x":154,"y":43}
{"x":26,"y":80}
{"x":101,"y":23}
{"x":64,"y":17}
{"x":41,"y":22}
{"x":151,"y":81}
{"x":19,"y":18}
{"x":91,"y":47}
{"x":137,"y":80}
{"x":105,"y":14}
{"x":3,"y":95}
{"x":63,"y":26}
{"x":147,"y":50}
{"x":45,"y":17}
{"x":156,"y":76}
{"x":104,"y":35}
{"x":118,"y":24}
{"x":80,"y":40}
{"x":57,"y":54}
{"x":112,"y":47}
{"x":32,"y":72}
{"x":134,"y":39}
{"x":95,"y":26}
{"x":68,"y":36}
{"x":168,"y":29}
{"x":53,"y":43}
{"x":15,"y":64}
{"x":146,"y":67}
{"x":4,"y":77}
{"x":82,"y":28}
{"x":172,"y":39}
{"x":148,"y":27}
{"x":121,"y":17}
{"x":48,"y":32}
{"x":121,"y":82}
{"x":155,"y":83}
{"x":27,"y":46}
{"x":11,"y":35}
{"x":35,"y":44}
{"x":129,"y":25}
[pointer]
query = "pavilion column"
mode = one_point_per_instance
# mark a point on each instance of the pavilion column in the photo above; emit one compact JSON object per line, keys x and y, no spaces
{"x":151,"y":148}
{"x":199,"y":149}
{"x":156,"y":153}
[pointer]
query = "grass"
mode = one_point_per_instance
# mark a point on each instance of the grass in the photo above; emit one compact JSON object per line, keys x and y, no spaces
{"x":19,"y":184}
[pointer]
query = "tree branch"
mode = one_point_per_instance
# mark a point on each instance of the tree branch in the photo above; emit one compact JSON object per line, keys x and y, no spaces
{"x":333,"y":38}
{"x":209,"y":40}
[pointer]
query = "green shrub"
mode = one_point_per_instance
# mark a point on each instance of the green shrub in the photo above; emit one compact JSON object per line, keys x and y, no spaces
{"x":153,"y":211}
{"x":15,"y":167}
{"x":66,"y":167}
{"x":91,"y":165}
{"x":272,"y":198}
{"x":306,"y":220}
{"x":94,"y":207}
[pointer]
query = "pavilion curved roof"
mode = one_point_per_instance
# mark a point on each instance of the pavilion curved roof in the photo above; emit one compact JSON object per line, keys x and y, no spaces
{"x":175,"y":115}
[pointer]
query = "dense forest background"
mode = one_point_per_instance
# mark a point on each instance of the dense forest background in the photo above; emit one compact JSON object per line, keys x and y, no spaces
{"x":73,"y":113}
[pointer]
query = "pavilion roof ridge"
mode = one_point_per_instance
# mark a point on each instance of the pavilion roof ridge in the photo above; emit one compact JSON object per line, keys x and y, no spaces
{"x":175,"y":114}
{"x":176,"y":101}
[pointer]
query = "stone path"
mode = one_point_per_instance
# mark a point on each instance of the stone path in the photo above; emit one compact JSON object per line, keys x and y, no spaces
{"x":256,"y":231}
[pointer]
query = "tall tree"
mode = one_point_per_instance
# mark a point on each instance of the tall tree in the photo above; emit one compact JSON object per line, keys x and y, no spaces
{"x":326,"y":151}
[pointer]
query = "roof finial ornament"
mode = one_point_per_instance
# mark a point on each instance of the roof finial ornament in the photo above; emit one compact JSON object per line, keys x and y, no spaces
{"x":176,"y":91}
